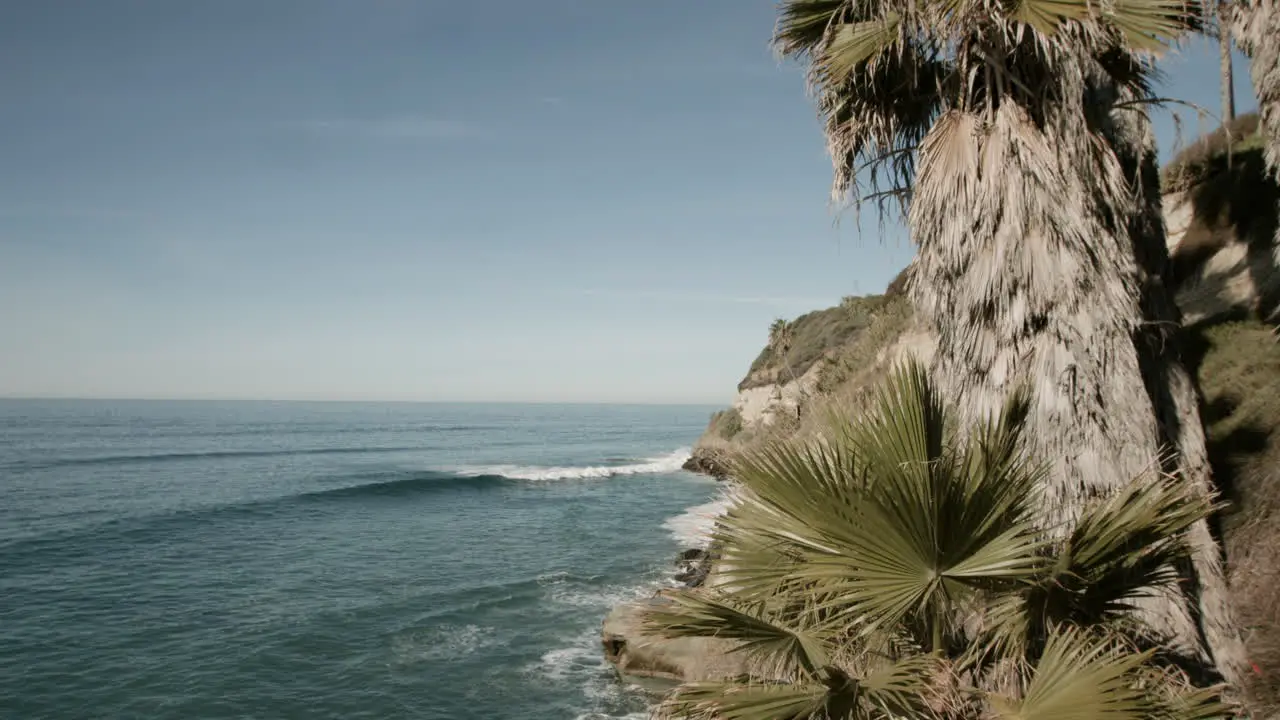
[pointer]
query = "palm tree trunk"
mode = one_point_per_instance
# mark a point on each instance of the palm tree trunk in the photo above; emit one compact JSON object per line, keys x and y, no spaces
{"x":1227,"y":74}
{"x":1256,"y":27}
{"x":1028,"y":272}
{"x":1171,"y":387}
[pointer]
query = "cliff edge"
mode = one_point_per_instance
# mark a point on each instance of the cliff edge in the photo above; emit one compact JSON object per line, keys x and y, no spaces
{"x":1220,"y":208}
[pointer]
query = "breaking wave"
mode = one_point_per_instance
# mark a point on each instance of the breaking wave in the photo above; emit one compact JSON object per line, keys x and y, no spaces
{"x":651,"y":466}
{"x":693,"y":527}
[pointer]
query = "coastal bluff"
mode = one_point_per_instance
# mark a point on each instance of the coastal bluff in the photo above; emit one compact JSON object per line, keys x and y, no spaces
{"x":1224,"y":268}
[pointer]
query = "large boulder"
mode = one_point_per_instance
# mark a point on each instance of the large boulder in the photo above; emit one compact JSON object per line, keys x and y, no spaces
{"x":638,"y":654}
{"x":708,"y":461}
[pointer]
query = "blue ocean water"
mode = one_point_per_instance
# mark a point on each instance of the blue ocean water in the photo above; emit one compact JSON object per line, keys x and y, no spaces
{"x":330,"y":560}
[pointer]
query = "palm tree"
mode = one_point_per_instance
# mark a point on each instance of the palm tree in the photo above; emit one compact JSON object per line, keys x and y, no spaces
{"x":897,"y":569}
{"x":1012,"y":136}
{"x":1225,"y":70}
{"x":1256,"y":28}
{"x":779,"y":334}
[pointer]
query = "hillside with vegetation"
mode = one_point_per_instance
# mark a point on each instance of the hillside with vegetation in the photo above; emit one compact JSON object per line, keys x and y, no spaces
{"x":1221,"y":209}
{"x":1065,"y":506}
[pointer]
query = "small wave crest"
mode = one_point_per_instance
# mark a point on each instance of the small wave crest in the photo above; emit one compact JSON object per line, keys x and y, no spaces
{"x":381,"y":485}
{"x":45,"y":464}
{"x":580,"y":663}
{"x":440,"y":643}
{"x":693,"y":527}
{"x":651,"y":466}
{"x":588,"y":593}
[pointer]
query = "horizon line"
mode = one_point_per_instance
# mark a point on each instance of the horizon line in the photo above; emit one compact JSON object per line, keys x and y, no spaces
{"x":592,"y":403}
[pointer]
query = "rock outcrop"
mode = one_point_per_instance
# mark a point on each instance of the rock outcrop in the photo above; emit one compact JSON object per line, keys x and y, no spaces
{"x":1222,"y":221}
{"x":693,"y":566}
{"x":637,"y":653}
{"x":706,"y":460}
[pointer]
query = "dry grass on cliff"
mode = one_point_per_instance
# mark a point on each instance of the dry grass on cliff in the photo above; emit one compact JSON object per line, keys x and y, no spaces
{"x":725,"y":424}
{"x":1209,"y":153}
{"x":813,"y":336}
{"x":1238,"y":365}
{"x":854,"y":367}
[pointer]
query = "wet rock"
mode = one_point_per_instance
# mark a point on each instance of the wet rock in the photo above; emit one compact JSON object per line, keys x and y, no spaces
{"x":705,"y":461}
{"x":693,"y":566}
{"x":637,"y":653}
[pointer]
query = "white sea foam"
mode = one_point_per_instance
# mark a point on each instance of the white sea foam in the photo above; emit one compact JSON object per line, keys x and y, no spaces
{"x":564,"y":589}
{"x":651,"y":466}
{"x":692,"y":528}
{"x":580,"y":662}
{"x":440,"y":643}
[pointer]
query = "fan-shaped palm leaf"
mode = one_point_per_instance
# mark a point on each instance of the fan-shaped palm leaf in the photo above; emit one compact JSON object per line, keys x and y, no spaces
{"x":1124,"y":548}
{"x":894,"y":690}
{"x":730,"y":700}
{"x":853,"y":44}
{"x":937,"y":519}
{"x":1081,"y":677}
{"x":889,"y":523}
{"x":786,"y":652}
{"x":803,"y":24}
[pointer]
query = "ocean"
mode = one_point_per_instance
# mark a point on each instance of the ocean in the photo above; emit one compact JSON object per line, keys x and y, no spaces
{"x":331,"y":560}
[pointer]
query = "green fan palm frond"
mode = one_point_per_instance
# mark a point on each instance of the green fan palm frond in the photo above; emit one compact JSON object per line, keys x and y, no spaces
{"x":904,"y":688}
{"x":1085,"y":676}
{"x":935,"y":523}
{"x":783,"y":651}
{"x":732,"y":700}
{"x":1121,"y":549}
{"x":1124,"y":548}
{"x":888,"y":523}
{"x":803,"y":24}
{"x":895,"y":690}
{"x":792,"y":673}
{"x":858,"y":43}
{"x":1148,"y":516}
{"x":1081,"y":677}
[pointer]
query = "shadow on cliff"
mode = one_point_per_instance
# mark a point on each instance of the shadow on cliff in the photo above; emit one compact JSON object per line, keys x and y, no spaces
{"x":1236,"y":359}
{"x":1238,"y":420}
{"x":1234,"y":199}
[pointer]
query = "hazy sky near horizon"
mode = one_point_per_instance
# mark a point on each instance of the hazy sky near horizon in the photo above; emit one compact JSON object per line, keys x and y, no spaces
{"x":569,"y":200}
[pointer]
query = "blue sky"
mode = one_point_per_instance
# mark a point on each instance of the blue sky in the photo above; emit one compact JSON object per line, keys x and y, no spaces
{"x":569,"y":200}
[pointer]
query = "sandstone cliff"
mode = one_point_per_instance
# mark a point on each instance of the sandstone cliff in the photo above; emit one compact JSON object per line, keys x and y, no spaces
{"x":1221,"y":213}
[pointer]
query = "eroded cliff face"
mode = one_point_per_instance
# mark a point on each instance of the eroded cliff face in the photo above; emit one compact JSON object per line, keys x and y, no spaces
{"x":1223,"y":264}
{"x":1225,"y":272}
{"x":842,"y":350}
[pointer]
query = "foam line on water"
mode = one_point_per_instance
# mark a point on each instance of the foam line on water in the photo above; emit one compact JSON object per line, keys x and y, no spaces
{"x":693,"y":527}
{"x":669,"y":463}
{"x":579,"y":663}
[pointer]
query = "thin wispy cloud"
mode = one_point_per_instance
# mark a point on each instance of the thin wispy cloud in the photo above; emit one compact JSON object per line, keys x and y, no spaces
{"x":394,"y":128}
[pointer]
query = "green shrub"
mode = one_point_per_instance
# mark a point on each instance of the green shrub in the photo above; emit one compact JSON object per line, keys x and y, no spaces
{"x":811,"y":337}
{"x":726,"y":424}
{"x":901,"y":570}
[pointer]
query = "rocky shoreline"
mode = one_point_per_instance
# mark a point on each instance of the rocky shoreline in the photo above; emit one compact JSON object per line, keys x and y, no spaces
{"x":707,"y":461}
{"x":637,"y":655}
